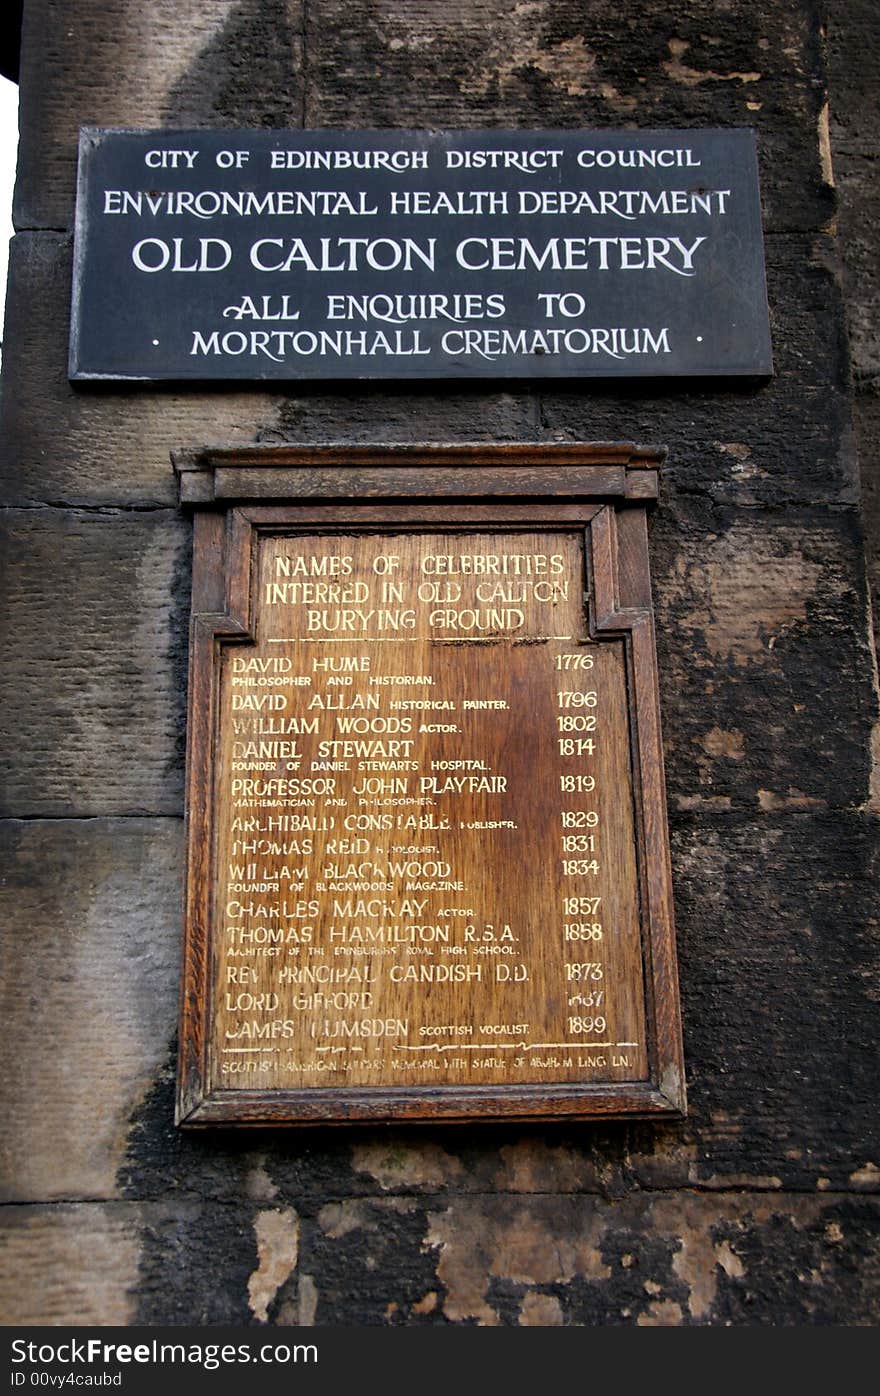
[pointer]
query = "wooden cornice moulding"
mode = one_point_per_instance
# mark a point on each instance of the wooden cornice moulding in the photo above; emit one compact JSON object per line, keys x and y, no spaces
{"x":465,"y":608}
{"x":407,"y":470}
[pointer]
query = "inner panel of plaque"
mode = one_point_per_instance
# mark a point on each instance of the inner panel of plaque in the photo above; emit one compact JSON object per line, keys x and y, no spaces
{"x":425,"y":871}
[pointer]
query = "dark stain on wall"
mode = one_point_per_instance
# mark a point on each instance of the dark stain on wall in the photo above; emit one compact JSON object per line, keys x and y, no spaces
{"x":249,"y":75}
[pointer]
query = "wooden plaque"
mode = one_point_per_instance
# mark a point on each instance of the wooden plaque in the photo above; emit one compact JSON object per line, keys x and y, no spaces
{"x":428,"y":871}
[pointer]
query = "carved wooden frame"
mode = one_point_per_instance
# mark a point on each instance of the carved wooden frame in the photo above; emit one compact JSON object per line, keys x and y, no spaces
{"x":604,"y":489}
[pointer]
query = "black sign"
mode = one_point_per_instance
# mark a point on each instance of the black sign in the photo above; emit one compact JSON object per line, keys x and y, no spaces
{"x":419,"y":255}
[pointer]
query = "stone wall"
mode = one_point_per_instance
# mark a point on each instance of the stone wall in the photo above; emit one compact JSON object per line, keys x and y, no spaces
{"x":762,"y":1206}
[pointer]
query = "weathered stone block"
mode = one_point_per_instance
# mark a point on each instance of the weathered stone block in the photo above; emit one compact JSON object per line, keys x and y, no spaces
{"x":853,"y":38}
{"x":777,"y":941}
{"x":99,"y":443}
{"x":559,"y":63}
{"x":92,"y":916}
{"x":68,"y":1265}
{"x":94,"y":683}
{"x":766,"y":671}
{"x":169,"y":63}
{"x":646,"y":1261}
{"x":781,"y":441}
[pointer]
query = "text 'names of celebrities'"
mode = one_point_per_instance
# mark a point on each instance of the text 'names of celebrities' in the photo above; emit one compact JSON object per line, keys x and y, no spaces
{"x":260,"y":254}
{"x":425,"y":865}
